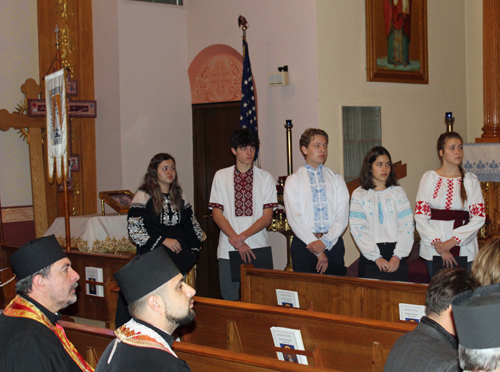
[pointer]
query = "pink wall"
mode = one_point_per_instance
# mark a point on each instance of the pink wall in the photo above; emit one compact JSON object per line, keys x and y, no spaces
{"x":107,"y":83}
{"x":143,"y":92}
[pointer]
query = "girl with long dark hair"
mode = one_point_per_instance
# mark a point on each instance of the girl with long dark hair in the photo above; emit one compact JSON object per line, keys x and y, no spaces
{"x":381,"y":219}
{"x":450,"y":207}
{"x":159,"y":215}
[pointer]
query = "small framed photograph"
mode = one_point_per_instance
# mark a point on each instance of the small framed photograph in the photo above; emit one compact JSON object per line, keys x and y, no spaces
{"x":119,"y":200}
{"x":74,"y":163}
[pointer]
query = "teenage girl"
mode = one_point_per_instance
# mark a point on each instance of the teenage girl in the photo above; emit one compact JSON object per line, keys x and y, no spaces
{"x":450,"y":207}
{"x":381,"y":219}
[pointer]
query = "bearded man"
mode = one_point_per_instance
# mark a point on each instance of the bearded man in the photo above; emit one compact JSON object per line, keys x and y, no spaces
{"x":159,"y":302}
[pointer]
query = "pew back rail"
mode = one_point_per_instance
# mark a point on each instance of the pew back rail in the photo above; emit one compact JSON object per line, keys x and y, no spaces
{"x":364,"y":298}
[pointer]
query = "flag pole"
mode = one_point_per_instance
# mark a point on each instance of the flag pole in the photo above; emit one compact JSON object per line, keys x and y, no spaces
{"x":64,"y":164}
{"x":242,"y":22}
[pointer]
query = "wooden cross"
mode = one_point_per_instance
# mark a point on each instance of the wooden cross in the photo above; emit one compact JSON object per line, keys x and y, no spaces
{"x":8,"y":120}
{"x":34,"y":120}
{"x":77,"y":109}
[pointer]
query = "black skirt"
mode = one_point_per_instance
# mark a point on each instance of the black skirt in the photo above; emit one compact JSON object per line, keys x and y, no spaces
{"x":369,"y":269}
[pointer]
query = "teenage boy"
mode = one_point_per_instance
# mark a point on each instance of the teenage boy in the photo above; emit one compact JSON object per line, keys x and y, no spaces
{"x":317,"y":209}
{"x":243,"y":198}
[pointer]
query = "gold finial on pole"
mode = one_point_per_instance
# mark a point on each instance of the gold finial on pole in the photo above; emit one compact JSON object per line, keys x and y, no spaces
{"x":449,"y":120}
{"x":288,"y":127}
{"x":243,"y":24}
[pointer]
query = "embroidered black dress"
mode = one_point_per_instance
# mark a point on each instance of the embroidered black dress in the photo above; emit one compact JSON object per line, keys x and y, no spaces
{"x":147,"y":230}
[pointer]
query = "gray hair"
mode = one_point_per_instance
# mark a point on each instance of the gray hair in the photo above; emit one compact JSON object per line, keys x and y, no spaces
{"x":487,"y":360}
{"x":25,"y":285}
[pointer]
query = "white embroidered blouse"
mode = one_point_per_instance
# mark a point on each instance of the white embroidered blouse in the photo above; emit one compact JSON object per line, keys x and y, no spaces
{"x":436,"y":192}
{"x":381,"y":217}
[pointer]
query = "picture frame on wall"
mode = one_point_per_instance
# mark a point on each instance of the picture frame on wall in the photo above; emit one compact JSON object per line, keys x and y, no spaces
{"x":396,"y":41}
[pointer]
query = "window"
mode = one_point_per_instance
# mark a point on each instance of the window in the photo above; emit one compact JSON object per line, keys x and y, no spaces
{"x":362,"y":131}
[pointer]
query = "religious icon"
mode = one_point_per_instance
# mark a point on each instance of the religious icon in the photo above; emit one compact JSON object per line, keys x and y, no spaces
{"x":396,"y":40}
{"x":397,"y":16}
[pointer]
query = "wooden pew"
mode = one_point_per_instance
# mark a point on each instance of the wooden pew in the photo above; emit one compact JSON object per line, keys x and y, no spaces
{"x":344,"y":343}
{"x":87,"y":306}
{"x":364,"y":298}
{"x":92,"y":341}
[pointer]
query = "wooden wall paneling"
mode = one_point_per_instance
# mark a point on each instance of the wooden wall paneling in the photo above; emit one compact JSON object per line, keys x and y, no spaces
{"x":74,"y":19}
{"x":491,"y":71}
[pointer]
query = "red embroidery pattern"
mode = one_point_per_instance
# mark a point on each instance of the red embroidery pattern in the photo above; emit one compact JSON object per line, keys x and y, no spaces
{"x":270,"y":205}
{"x":243,"y":198}
{"x":215,"y":205}
{"x":449,"y":195}
{"x":423,"y":207}
{"x":477,"y":210}
{"x":438,"y":186}
{"x":435,"y":240}
{"x":456,"y":239}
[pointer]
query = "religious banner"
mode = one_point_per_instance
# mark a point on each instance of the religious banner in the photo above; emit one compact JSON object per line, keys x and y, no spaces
{"x":57,"y":125}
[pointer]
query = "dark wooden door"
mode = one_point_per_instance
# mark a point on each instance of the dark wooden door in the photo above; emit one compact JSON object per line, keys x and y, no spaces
{"x":212,"y":126}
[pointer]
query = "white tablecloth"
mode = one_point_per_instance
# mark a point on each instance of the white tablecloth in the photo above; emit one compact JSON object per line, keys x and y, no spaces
{"x":483,"y":159}
{"x":95,"y":233}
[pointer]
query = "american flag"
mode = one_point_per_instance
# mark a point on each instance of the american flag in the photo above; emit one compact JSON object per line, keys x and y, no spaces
{"x":248,"y":114}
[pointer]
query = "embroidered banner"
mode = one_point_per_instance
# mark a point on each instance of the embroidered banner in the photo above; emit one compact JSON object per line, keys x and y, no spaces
{"x":57,"y":126}
{"x":483,"y":159}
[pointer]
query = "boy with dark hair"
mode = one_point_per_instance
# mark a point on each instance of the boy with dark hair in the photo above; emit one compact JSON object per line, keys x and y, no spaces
{"x":432,"y":345}
{"x":243,"y":198}
{"x":317,"y":209}
{"x":243,"y":138}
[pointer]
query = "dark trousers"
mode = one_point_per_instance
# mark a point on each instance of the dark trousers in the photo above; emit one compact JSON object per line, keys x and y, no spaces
{"x":305,"y":262}
{"x":369,"y":269}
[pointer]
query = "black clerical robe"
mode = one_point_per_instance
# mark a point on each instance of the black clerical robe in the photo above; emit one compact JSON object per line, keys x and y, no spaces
{"x":27,"y":345}
{"x":132,"y":354}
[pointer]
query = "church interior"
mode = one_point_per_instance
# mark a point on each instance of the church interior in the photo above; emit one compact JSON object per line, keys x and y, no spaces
{"x":146,"y":67}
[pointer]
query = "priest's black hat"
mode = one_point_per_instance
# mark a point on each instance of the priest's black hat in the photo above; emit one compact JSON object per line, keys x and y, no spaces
{"x":36,"y":255}
{"x":145,"y":273}
{"x":477,"y":317}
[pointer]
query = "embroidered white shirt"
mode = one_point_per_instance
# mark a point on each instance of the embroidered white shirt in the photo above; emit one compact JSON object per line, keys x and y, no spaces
{"x":381,"y":217}
{"x":436,"y":192}
{"x":222,"y":196}
{"x":317,"y":201}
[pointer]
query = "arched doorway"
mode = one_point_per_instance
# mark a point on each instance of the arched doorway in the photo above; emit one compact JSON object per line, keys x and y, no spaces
{"x":215,"y":79}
